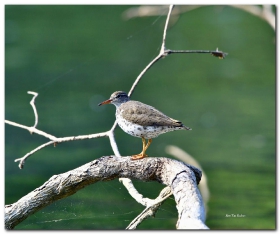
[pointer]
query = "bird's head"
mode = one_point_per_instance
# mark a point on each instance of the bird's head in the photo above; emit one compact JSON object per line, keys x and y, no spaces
{"x":117,"y":98}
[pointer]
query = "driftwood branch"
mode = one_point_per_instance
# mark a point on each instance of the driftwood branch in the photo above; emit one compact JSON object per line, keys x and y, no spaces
{"x":185,"y":157}
{"x":181,"y":178}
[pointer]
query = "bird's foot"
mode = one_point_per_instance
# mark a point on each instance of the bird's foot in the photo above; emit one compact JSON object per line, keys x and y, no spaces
{"x":138,"y":156}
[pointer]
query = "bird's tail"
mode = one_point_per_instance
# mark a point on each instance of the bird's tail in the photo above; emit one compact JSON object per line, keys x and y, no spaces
{"x":181,"y":124}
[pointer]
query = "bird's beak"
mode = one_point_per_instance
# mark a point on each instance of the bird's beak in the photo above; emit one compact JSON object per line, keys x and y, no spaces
{"x":105,"y":102}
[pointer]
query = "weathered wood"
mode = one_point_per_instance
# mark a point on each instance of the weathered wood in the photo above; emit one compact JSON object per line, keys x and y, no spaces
{"x":182,"y":179}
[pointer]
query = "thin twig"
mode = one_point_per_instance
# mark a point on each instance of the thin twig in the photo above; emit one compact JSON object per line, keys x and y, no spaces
{"x":134,"y":193}
{"x":215,"y":53}
{"x":32,"y":103}
{"x":165,"y":29}
{"x":151,"y":209}
{"x":22,"y":159}
{"x":164,"y":52}
{"x":142,"y":73}
{"x":56,"y":141}
{"x":32,"y":129}
{"x":113,"y":142}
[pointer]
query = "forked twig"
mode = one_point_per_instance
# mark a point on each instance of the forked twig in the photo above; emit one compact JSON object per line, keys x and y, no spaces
{"x":22,"y":159}
{"x":151,"y":209}
{"x":32,"y":103}
{"x":60,"y":140}
{"x":164,"y":52}
{"x":32,"y":130}
{"x":159,"y":56}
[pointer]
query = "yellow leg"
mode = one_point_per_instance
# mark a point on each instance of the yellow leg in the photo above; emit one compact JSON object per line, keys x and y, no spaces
{"x":145,"y":147}
{"x":148,"y":144}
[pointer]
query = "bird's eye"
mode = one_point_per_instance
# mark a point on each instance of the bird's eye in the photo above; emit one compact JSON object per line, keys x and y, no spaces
{"x":120,"y":95}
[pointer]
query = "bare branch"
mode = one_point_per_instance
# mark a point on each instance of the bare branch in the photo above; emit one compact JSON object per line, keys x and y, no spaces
{"x":59,"y":140}
{"x":182,"y":178}
{"x":113,"y":141}
{"x":22,"y":159}
{"x":164,"y":52}
{"x":142,"y":73}
{"x":159,"y":56}
{"x":32,"y":130}
{"x":134,"y":193}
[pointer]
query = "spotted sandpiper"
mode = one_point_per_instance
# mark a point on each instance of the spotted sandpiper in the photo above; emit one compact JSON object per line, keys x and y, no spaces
{"x":141,"y":120}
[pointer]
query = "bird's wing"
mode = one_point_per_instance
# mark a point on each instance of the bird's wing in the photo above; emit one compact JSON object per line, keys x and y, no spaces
{"x":145,"y":115}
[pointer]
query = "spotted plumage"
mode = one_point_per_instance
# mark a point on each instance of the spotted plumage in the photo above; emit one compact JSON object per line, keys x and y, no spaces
{"x":141,"y":120}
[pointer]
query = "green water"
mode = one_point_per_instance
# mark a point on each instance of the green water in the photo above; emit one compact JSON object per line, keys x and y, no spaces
{"x":76,"y":56}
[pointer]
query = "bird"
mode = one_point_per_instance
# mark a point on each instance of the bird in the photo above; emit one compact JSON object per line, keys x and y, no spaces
{"x":141,"y":120}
